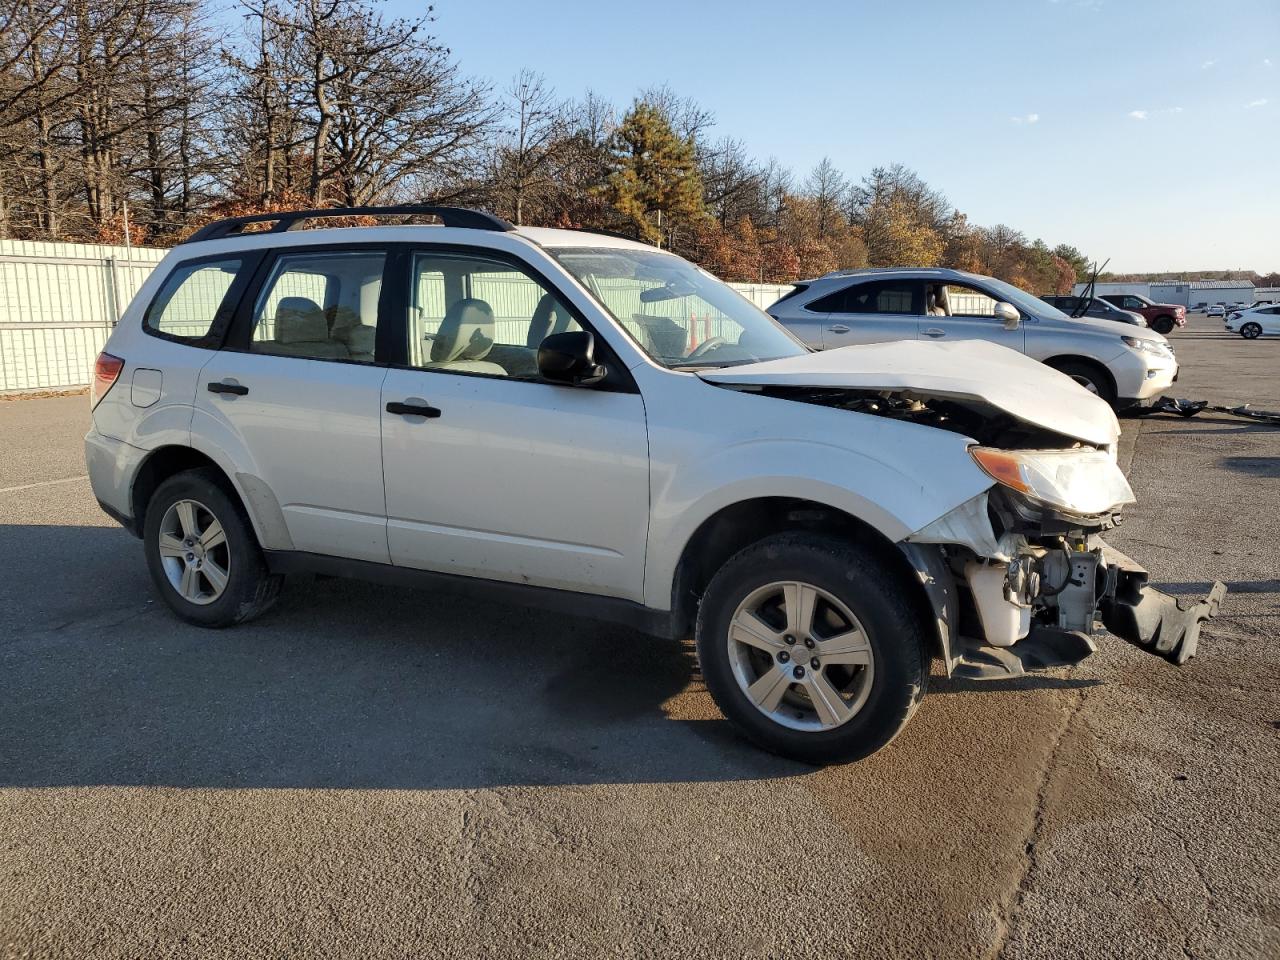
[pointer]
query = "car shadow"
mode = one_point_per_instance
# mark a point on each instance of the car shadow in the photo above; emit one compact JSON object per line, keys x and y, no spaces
{"x":341,"y":685}
{"x":1032,"y":682}
{"x":1252,"y":466}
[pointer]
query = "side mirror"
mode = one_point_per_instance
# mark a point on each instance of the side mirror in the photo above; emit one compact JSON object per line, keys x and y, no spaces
{"x":570,"y":358}
{"x":1008,"y":314}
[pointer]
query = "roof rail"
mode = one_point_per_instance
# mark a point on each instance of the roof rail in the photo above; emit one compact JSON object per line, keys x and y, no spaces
{"x":290,"y":219}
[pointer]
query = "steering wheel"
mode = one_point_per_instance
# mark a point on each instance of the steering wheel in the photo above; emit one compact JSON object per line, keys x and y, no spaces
{"x":705,"y":347}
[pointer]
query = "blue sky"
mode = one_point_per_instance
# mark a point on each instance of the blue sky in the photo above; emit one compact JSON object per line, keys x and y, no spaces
{"x":1143,"y":131}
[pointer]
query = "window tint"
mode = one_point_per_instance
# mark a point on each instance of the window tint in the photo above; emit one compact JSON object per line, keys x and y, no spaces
{"x":881,"y":296}
{"x":320,"y":305}
{"x":189,"y":301}
{"x":471,"y":314}
{"x":957,"y":300}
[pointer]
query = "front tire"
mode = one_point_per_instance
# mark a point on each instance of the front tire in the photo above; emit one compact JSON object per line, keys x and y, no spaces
{"x":1163,"y":325}
{"x":1092,"y":378}
{"x":202,"y":554}
{"x":1251,"y":331}
{"x":812,"y":646}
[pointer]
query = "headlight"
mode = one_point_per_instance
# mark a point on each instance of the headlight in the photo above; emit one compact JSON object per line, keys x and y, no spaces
{"x":1142,"y":345}
{"x":1084,"y":482}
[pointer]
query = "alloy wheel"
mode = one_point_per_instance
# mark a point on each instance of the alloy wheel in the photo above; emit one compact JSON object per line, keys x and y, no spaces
{"x":194,"y":552}
{"x":800,"y":656}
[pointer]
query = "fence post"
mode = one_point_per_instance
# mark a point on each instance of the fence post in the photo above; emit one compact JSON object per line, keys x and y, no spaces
{"x":113,"y":285}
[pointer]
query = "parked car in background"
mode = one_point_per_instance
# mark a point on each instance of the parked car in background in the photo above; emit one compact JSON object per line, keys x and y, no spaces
{"x":1215,"y":310}
{"x":1255,"y":322}
{"x":1160,"y":317}
{"x":534,"y":415}
{"x":1095,"y":307}
{"x":1124,"y":363}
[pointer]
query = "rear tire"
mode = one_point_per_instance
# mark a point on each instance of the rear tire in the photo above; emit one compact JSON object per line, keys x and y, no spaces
{"x":1163,"y":325}
{"x":1092,"y":378}
{"x":202,"y":553}
{"x":862,"y":663}
{"x":1251,"y":331}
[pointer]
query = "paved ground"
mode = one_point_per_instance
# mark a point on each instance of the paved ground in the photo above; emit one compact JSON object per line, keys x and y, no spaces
{"x":336,"y":780}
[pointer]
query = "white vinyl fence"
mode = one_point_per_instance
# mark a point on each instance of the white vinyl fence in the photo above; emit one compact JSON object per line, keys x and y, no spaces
{"x":59,"y":301}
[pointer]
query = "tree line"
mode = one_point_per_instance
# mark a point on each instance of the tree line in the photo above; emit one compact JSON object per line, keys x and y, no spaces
{"x":152,"y":114}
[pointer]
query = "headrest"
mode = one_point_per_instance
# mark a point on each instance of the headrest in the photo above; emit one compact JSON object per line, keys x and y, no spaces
{"x":466,"y":333}
{"x":299,"y":319}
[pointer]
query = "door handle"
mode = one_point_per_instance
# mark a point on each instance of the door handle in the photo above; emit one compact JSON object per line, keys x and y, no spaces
{"x":237,"y":389}
{"x":838,"y":328}
{"x":413,"y":409}
{"x":935,"y":332}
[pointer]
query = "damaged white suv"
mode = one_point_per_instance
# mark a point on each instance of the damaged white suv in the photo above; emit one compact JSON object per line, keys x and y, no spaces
{"x":568,"y":419}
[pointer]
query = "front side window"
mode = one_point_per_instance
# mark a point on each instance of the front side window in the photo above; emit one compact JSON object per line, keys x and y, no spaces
{"x":681,"y":316}
{"x":877,"y":296}
{"x":472,"y":314}
{"x":958,"y":300}
{"x":190,"y":300}
{"x":320,"y":305}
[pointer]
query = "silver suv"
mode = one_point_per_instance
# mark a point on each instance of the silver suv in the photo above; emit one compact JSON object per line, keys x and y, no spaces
{"x":1121,"y":363}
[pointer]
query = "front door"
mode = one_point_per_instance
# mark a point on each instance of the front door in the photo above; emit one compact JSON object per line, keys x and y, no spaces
{"x":957,"y":311}
{"x":492,"y":472}
{"x":297,"y":394}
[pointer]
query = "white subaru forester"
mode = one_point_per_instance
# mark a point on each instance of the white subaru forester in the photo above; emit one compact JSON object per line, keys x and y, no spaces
{"x":563,"y":418}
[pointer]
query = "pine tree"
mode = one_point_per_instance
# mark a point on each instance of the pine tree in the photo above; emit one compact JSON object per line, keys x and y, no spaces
{"x":654,"y":181}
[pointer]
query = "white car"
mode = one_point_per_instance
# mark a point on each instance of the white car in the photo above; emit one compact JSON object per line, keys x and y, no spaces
{"x":1255,"y":322}
{"x":1215,"y":310}
{"x":588,"y":423}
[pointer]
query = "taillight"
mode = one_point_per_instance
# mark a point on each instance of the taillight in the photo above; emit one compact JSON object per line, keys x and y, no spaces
{"x":106,"y":370}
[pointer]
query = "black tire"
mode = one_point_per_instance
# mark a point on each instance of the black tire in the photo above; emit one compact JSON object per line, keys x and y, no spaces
{"x":1163,"y":325}
{"x":250,"y":587}
{"x":1092,"y":377}
{"x":880,"y":600}
{"x":1251,"y":331}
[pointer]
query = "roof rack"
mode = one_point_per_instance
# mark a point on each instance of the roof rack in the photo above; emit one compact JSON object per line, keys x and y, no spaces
{"x":290,"y":219}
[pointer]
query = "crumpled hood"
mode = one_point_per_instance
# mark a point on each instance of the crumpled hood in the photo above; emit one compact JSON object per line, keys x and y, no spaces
{"x":962,"y":370}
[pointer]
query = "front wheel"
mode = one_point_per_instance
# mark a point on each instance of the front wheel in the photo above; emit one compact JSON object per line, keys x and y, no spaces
{"x":202,"y":555}
{"x":1092,"y":378}
{"x":812,"y":646}
{"x":1251,"y":331}
{"x":1163,"y":325}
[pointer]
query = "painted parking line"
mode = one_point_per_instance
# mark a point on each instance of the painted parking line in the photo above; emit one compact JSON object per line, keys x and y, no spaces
{"x":43,"y":483}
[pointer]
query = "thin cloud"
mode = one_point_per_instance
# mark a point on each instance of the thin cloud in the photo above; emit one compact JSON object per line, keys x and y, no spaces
{"x":1138,"y":114}
{"x":1208,"y":64}
{"x":1147,"y":114}
{"x":1028,"y":119}
{"x":1266,"y":62}
{"x":1256,"y":103}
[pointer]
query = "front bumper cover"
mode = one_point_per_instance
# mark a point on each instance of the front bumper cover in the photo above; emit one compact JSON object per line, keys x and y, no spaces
{"x":1154,"y":621}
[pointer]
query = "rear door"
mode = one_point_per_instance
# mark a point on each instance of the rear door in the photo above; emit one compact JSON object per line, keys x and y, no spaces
{"x":960,"y":311}
{"x":294,"y":398}
{"x":875,"y":311}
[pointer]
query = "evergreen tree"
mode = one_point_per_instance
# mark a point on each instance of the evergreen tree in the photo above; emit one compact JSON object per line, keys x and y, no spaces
{"x":653,"y":180}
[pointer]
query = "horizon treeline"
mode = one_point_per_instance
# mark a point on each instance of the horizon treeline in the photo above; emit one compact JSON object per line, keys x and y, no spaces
{"x":159,"y":107}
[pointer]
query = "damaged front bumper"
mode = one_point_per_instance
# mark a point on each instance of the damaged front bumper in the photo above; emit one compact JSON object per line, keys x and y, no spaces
{"x":1031,"y":592}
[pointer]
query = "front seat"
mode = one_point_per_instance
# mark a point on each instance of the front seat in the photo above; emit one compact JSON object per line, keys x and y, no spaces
{"x":938,"y":305}
{"x":465,"y":339}
{"x":548,"y":317}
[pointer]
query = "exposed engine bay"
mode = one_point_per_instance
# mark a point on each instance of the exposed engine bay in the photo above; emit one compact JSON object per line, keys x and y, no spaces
{"x":983,"y":422}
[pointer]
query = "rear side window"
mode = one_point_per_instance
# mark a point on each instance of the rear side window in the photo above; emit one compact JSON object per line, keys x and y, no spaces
{"x":192,"y":300}
{"x":883,"y":296}
{"x":321,"y":306}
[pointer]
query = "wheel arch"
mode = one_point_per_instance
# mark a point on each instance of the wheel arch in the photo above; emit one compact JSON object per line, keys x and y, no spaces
{"x":738,"y":525}
{"x":161,"y":464}
{"x":1090,"y":362}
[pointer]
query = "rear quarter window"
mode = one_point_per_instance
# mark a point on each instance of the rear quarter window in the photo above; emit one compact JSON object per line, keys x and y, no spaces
{"x":193,"y":303}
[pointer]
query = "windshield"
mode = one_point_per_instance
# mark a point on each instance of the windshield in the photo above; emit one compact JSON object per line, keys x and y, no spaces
{"x":1025,"y":302}
{"x":679,"y":315}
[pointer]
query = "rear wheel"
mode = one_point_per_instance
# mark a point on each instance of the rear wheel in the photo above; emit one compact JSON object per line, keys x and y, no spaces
{"x":812,"y":646}
{"x":1251,"y":331}
{"x":202,"y":555}
{"x":1091,"y":377}
{"x":1163,"y":325}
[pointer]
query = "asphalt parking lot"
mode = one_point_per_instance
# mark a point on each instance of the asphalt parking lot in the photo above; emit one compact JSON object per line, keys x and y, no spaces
{"x":377,"y":772}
